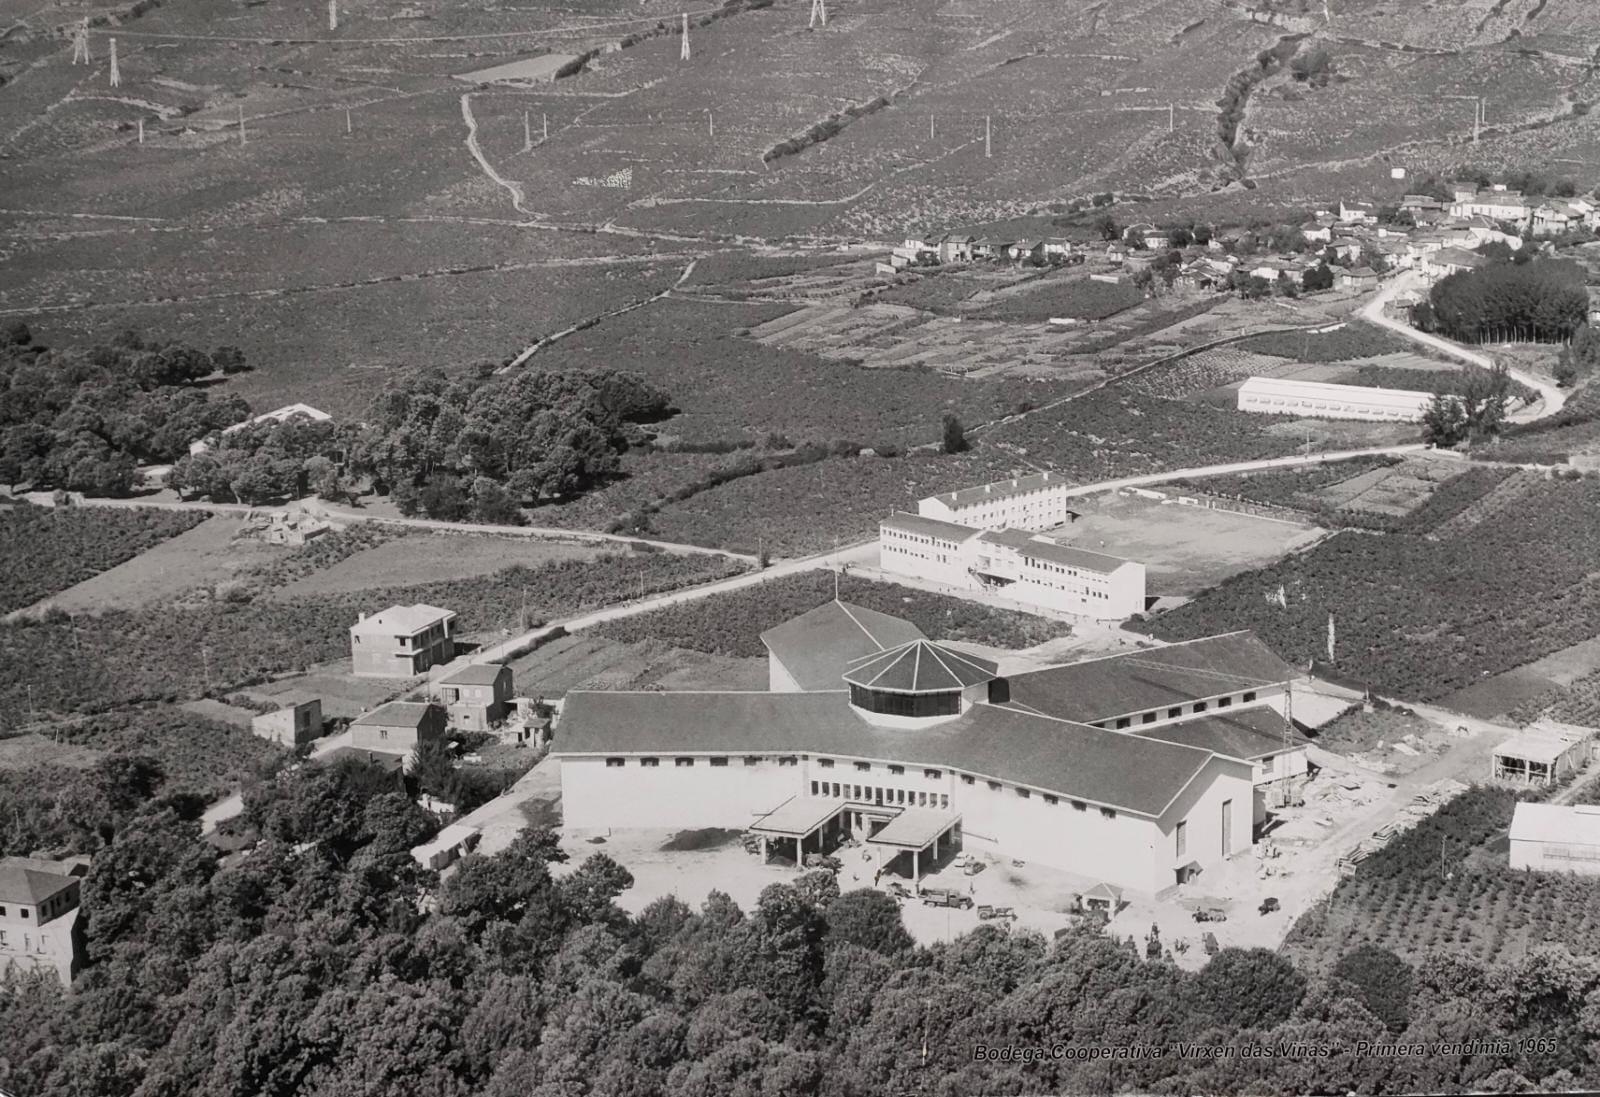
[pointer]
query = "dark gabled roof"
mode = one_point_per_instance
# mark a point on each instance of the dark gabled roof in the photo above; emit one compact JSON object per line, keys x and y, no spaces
{"x":23,"y":881}
{"x":396,"y":714}
{"x":1081,"y":763}
{"x":1247,"y":734}
{"x":929,"y":527}
{"x":816,"y":646}
{"x":1053,"y":551}
{"x":1001,"y":489}
{"x":919,"y":667}
{"x":476,"y":674}
{"x":1118,"y":685}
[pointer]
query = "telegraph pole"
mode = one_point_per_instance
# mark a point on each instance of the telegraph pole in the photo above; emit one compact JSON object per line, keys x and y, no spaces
{"x":1172,"y":117}
{"x":241,"y":124}
{"x":141,"y":131}
{"x":711,"y":124}
{"x":349,"y":128}
{"x":333,"y":14}
{"x":683,"y":53}
{"x":116,"y":74}
{"x":546,"y":127}
{"x":527,"y":133}
{"x":986,"y":147}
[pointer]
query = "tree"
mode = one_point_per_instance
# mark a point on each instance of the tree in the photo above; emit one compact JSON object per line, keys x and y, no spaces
{"x":1444,"y":423}
{"x":1319,"y":277}
{"x":493,"y":504}
{"x":955,"y":436}
{"x":1106,"y":225}
{"x":868,"y":918}
{"x":443,"y":499}
{"x":1314,"y":67}
{"x":1383,"y":980}
{"x":1249,"y":988}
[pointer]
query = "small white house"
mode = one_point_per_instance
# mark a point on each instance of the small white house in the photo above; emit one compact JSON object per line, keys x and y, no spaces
{"x":1556,"y":838}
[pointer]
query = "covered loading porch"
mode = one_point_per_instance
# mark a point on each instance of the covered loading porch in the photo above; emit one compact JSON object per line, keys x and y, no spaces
{"x":921,"y":833}
{"x":800,"y":826}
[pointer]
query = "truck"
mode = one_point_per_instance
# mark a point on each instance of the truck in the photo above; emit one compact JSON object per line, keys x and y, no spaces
{"x":945,"y":897}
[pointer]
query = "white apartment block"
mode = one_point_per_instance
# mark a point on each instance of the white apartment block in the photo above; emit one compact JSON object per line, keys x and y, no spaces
{"x":1313,"y":399}
{"x":1031,"y":502}
{"x":1013,"y":563}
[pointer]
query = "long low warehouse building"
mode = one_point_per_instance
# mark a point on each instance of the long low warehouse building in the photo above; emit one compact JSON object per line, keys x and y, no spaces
{"x":1314,"y":399}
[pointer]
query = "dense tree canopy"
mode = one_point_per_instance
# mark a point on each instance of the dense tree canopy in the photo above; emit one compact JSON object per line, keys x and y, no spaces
{"x":1540,"y":300}
{"x":83,"y":420}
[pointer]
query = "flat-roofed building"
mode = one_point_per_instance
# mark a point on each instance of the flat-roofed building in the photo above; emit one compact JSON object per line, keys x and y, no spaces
{"x":402,"y":641}
{"x":1316,"y":400}
{"x":1556,"y":838}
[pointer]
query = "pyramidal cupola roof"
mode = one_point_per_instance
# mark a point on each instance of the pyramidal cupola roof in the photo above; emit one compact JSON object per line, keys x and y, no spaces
{"x":920,"y":666}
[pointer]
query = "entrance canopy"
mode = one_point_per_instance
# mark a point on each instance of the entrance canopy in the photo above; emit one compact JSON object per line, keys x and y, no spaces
{"x":798,"y":817}
{"x":915,"y":828}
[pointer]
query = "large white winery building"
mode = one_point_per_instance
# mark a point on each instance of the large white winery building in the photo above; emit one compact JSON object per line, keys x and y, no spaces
{"x":1139,"y":770}
{"x":1316,"y":400}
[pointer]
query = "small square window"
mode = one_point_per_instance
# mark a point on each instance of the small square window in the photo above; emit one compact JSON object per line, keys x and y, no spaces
{"x":864,"y":767}
{"x":1079,"y":805}
{"x":614,"y":763}
{"x":1050,"y":799}
{"x":1123,"y":722}
{"x":683,"y":763}
{"x":648,"y":762}
{"x":933,"y":774}
{"x":1224,"y":702}
{"x":825,"y":763}
{"x":1108,"y":813}
{"x":1199,"y":706}
{"x":897,"y":769}
{"x":1023,"y":793}
{"x":995,"y":785}
{"x":968,"y":779}
{"x":1174,"y":713}
{"x":719,"y":761}
{"x":1249,"y":696}
{"x":752,"y":759}
{"x":1149,"y":718}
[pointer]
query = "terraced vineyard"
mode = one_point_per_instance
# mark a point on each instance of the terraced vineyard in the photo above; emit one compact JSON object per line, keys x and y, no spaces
{"x":1196,"y":373}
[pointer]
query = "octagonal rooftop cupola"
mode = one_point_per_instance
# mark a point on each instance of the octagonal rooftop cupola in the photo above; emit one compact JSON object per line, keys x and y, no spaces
{"x":917,"y":681}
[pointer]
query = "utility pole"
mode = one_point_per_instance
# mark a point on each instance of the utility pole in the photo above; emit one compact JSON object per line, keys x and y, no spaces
{"x":546,"y":127}
{"x":141,"y":131}
{"x":1477,"y":119}
{"x":527,"y":133}
{"x":711,"y":124}
{"x":819,"y":14}
{"x":683,"y":53}
{"x":241,"y":124}
{"x":333,"y":14}
{"x":930,"y":127}
{"x":1172,"y":117}
{"x":348,"y":127}
{"x":116,"y":74}
{"x":986,"y":146}
{"x":205,"y":657}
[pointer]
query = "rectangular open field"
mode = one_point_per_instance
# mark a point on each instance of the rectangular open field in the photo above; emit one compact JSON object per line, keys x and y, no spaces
{"x":204,"y":556}
{"x":592,"y":661}
{"x":432,"y":557}
{"x":1184,"y":548}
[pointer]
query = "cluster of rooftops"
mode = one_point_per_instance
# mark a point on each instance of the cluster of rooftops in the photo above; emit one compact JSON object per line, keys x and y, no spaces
{"x":1074,"y":729}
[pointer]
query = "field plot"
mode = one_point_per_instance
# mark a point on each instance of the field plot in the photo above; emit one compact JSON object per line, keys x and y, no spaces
{"x":1556,"y":681}
{"x":205,"y":556}
{"x":1419,"y":618}
{"x":45,"y":551}
{"x":1353,"y":339}
{"x":1184,"y":549}
{"x":1202,"y":372}
{"x":589,"y":660}
{"x":432,"y":557}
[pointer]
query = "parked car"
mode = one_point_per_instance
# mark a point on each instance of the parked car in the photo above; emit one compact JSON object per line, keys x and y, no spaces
{"x":1210,"y":914}
{"x":1209,"y":940}
{"x":987,"y":913}
{"x":945,"y":897}
{"x":1268,"y":905}
{"x":974,"y":867}
{"x":898,"y":890}
{"x":818,"y":860}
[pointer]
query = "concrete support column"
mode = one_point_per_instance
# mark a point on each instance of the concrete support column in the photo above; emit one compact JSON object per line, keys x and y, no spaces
{"x":916,"y":870}
{"x":764,"y":854}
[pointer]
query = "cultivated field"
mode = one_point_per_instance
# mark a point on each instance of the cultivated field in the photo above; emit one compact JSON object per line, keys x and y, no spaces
{"x":432,"y":557}
{"x":1185,"y":549}
{"x":589,"y":660}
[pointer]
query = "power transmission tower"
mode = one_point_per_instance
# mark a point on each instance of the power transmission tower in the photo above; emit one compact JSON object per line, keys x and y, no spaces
{"x":819,"y":13}
{"x":683,"y":54}
{"x":80,"y":44}
{"x":333,"y":14}
{"x":116,"y":74}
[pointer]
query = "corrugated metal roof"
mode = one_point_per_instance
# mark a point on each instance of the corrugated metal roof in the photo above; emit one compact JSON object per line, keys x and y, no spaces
{"x":1081,"y":763}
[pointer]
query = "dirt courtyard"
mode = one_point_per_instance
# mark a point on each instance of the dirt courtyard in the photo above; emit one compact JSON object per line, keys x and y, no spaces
{"x":1185,"y":549}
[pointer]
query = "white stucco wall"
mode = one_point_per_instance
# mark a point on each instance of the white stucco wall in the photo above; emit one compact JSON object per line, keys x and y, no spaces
{"x":779,"y":680}
{"x":596,"y":795}
{"x":1225,"y":786}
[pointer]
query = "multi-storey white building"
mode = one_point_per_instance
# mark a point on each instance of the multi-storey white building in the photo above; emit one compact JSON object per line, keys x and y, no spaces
{"x":1031,"y":502}
{"x":1021,"y":566}
{"x":1313,"y":399}
{"x":39,"y":928}
{"x":1140,"y":770}
{"x":1556,"y":838}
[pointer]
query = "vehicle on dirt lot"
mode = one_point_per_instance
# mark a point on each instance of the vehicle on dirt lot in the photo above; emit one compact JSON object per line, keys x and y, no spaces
{"x":1209,"y":941}
{"x":1210,"y":914}
{"x":1268,"y":905}
{"x":987,"y":912}
{"x":945,"y":897}
{"x":974,"y":867}
{"x":897,"y":889}
{"x":818,"y":860}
